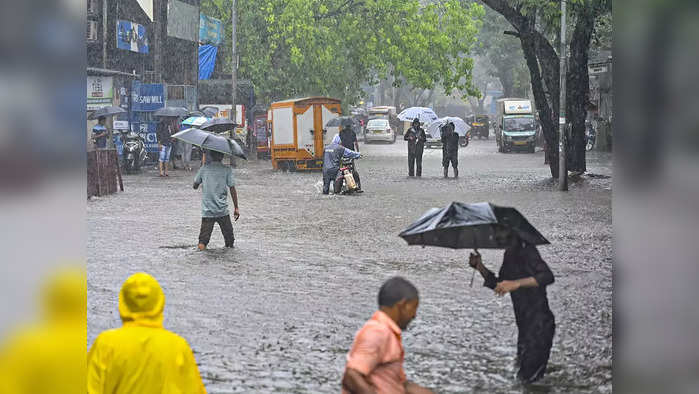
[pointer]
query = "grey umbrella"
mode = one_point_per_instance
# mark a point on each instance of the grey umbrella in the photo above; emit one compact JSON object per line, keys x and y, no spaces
{"x":171,"y":112}
{"x":461,"y":226}
{"x":210,"y":112}
{"x":210,"y":141}
{"x":106,"y":111}
{"x":218,"y":125}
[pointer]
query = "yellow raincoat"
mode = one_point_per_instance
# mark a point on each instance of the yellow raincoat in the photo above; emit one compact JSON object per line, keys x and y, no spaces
{"x":142,"y":356}
{"x":49,"y":355}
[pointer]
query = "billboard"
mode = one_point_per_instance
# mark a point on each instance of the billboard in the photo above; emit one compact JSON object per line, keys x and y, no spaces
{"x":210,"y":30}
{"x":182,"y":20}
{"x":147,"y":97}
{"x":131,"y":37}
{"x":99,"y":92}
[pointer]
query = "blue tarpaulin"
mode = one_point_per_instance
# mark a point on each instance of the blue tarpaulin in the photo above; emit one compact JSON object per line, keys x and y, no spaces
{"x":207,"y":60}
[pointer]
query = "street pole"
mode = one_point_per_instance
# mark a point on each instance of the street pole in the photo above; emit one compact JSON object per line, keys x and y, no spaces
{"x":234,"y":67}
{"x":562,"y":143}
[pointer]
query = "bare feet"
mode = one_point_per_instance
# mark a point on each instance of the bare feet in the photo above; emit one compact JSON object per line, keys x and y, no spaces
{"x":201,"y":246}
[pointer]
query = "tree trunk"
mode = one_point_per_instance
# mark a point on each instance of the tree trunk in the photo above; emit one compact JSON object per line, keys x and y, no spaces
{"x":548,"y":107}
{"x":578,"y":90}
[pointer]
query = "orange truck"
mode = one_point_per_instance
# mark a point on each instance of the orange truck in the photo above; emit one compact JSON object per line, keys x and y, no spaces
{"x":298,"y":132}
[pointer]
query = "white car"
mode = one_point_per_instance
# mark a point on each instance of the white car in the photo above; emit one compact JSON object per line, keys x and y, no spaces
{"x":379,"y":130}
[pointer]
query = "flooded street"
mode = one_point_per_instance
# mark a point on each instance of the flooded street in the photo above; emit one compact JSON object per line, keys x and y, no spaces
{"x":279,"y":312}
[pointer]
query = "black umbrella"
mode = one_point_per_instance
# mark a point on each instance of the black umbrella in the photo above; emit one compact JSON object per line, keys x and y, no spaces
{"x":171,"y":112}
{"x":106,"y":111}
{"x":210,"y":141}
{"x":339,"y":121}
{"x":196,"y":114}
{"x":218,"y":125}
{"x":462,"y":226}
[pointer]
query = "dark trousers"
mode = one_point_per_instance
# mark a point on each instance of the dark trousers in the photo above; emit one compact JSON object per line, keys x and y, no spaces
{"x":452,"y":158}
{"x":415,"y":160}
{"x":534,"y":343}
{"x":207,"y":227}
{"x":328,"y":178}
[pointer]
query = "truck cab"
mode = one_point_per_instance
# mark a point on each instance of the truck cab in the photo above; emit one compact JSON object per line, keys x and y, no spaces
{"x":515,"y":125}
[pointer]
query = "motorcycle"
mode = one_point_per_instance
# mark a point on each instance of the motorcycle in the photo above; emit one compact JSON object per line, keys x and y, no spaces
{"x":590,"y":135}
{"x":347,"y":180}
{"x":463,"y":141}
{"x":134,"y":152}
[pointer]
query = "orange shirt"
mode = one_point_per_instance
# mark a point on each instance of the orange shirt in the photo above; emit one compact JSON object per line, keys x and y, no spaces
{"x":377,"y":352}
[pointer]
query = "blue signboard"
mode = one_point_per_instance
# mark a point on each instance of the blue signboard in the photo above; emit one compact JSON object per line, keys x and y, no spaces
{"x":131,"y":37}
{"x":147,"y":131}
{"x":210,"y":30}
{"x":147,"y":97}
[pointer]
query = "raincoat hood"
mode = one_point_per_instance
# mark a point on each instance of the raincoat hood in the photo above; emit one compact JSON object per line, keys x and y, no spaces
{"x":336,"y":139}
{"x":64,"y":296}
{"x":141,"y":300}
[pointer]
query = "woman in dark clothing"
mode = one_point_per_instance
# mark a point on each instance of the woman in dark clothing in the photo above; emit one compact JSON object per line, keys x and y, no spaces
{"x":525,"y":276}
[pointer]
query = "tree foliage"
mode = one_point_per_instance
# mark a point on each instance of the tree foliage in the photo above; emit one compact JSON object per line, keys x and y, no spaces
{"x":331,"y":47}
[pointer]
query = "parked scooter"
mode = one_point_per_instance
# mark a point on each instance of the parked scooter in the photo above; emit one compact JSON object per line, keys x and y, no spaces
{"x":347,"y":180}
{"x":591,"y":135}
{"x":134,"y":152}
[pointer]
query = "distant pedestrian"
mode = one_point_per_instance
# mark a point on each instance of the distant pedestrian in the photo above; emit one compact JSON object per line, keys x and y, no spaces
{"x":450,"y":149}
{"x":217,"y":180}
{"x":163,"y":132}
{"x":100,"y":133}
{"x":416,"y":138}
{"x":525,"y":276}
{"x":375,"y":361}
{"x":141,"y":357}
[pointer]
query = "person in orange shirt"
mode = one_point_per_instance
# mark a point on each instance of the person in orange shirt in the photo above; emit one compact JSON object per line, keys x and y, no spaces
{"x":375,"y":361}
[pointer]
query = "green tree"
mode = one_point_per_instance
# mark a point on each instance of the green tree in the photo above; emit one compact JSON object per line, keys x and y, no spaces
{"x":536,"y":23}
{"x":331,"y":47}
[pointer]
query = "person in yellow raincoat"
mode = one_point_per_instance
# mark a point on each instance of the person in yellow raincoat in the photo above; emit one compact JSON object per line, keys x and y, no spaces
{"x":48,"y":356}
{"x":142,"y":356}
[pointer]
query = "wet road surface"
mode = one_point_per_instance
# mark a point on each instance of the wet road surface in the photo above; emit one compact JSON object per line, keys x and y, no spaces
{"x":279,"y":312}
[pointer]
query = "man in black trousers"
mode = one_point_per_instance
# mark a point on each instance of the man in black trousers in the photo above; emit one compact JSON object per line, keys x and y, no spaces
{"x":416,"y":138}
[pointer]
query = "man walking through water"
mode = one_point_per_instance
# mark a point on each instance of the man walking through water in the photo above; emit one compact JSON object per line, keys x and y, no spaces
{"x":217,"y":180}
{"x":375,"y":361}
{"x":416,"y":138}
{"x":525,"y":276}
{"x":450,"y":150}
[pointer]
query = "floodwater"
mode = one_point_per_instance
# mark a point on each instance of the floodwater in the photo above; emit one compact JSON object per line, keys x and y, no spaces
{"x":279,"y":312}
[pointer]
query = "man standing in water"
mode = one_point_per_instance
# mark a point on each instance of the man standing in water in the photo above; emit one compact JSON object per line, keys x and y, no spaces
{"x":450,"y":150}
{"x":375,"y":361}
{"x":525,"y":276}
{"x":416,"y":138}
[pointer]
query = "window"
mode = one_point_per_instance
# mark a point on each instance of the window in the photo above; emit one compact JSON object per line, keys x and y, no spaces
{"x":91,"y":30}
{"x":91,"y":7}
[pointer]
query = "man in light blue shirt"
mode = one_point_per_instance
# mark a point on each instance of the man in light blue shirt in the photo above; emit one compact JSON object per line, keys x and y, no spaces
{"x":217,"y":180}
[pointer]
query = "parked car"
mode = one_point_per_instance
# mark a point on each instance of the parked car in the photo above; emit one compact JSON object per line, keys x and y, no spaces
{"x":379,"y":130}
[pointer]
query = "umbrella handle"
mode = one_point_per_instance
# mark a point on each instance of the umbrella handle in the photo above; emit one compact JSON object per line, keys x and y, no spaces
{"x":473,"y":274}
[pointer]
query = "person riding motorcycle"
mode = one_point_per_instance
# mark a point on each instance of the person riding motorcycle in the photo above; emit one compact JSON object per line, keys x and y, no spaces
{"x":332,"y":159}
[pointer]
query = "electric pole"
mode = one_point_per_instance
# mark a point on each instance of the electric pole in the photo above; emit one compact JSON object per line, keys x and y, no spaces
{"x":234,"y":59}
{"x":562,"y":143}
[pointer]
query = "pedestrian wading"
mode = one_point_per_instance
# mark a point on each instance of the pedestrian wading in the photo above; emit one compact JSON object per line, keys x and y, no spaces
{"x":375,"y":360}
{"x":525,"y":276}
